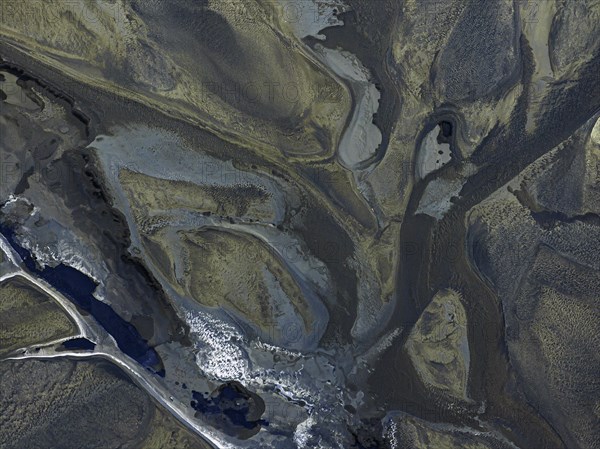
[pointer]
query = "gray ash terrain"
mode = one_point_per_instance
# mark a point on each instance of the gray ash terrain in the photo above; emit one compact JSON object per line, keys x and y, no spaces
{"x":332,"y":224}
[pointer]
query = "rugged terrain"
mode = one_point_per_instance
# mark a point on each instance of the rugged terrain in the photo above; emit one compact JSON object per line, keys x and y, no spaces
{"x":300,"y":223}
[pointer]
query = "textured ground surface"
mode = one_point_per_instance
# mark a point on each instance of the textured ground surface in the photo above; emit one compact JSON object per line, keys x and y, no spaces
{"x":300,"y":223}
{"x":69,"y":404}
{"x":29,"y":317}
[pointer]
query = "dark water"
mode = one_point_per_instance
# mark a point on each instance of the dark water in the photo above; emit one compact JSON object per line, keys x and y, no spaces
{"x":79,"y":288}
{"x":79,"y":343}
{"x":446,"y":132}
{"x":232,"y":400}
